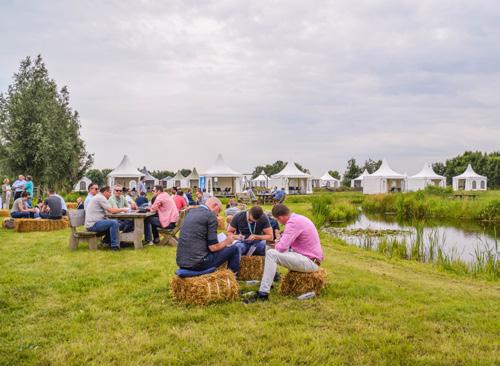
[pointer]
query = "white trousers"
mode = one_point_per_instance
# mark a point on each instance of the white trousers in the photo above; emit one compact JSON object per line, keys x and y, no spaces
{"x":291,"y":260}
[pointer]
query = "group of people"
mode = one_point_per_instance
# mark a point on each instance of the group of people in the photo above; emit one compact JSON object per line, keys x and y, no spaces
{"x":14,"y":191}
{"x":249,"y":232}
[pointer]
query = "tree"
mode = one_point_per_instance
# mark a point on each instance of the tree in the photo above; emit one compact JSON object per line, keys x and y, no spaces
{"x":276,"y":167}
{"x":160,"y":174}
{"x":371,"y":165}
{"x":352,"y":171}
{"x":185,"y":172}
{"x":39,"y":131}
{"x":96,"y":176}
{"x":334,"y":174}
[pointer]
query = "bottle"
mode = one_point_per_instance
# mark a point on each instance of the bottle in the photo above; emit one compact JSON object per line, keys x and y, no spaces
{"x":252,"y":282}
{"x":307,"y":295}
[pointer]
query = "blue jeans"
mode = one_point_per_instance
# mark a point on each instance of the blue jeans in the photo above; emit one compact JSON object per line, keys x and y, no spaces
{"x":111,"y":228}
{"x":215,"y":259}
{"x":150,"y":225}
{"x":23,"y":215}
{"x":126,"y":226}
{"x":44,"y":215}
{"x":260,"y":247}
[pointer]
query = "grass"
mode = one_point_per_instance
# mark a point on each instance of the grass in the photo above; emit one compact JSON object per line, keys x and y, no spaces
{"x":71,"y":308}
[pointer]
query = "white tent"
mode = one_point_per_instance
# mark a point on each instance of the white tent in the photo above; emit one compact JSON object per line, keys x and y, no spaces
{"x":125,"y":174}
{"x":384,"y":180}
{"x":262,"y":180}
{"x":470,"y":181}
{"x":220,"y":178}
{"x":193,"y":179}
{"x":178,"y":180}
{"x":164,"y":182}
{"x":149,"y":180}
{"x":294,"y":180}
{"x":358,"y":182}
{"x":82,"y":185}
{"x":328,"y":181}
{"x":426,"y":177}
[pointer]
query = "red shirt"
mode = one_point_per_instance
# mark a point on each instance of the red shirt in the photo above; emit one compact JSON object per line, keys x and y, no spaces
{"x":180,"y":202}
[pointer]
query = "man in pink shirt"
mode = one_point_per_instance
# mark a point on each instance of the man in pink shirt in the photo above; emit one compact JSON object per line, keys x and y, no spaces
{"x":166,"y":209}
{"x":298,"y":249}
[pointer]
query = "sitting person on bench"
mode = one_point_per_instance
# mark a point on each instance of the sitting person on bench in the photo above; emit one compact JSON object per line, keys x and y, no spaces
{"x":199,"y":248}
{"x":279,"y":196}
{"x":301,"y":237}
{"x":20,"y":208}
{"x":167,"y":215}
{"x":251,"y":229}
{"x":52,"y":207}
{"x":117,"y":200}
{"x":95,"y":217}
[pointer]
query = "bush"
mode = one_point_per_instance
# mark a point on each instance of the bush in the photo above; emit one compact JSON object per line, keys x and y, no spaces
{"x":491,"y":212}
{"x":342,"y":211}
{"x":72,"y":196}
{"x":320,"y":210}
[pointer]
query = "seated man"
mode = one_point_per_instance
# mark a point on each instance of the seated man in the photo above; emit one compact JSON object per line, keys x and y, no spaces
{"x":95,"y":219}
{"x":302,"y":238}
{"x":141,"y":200}
{"x":64,"y":207}
{"x":279,"y":196}
{"x":232,"y":208}
{"x":117,"y":200}
{"x":20,"y":208}
{"x":93,"y":190}
{"x":199,"y":247}
{"x":167,"y":216}
{"x":52,"y":207}
{"x":251,"y":229}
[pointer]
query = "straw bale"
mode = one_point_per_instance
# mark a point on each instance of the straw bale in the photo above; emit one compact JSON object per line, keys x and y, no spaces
{"x":221,"y":221}
{"x":251,"y":267}
{"x":27,"y":225}
{"x":4,"y":213}
{"x":220,"y":285}
{"x":71,"y":205}
{"x":298,"y":283}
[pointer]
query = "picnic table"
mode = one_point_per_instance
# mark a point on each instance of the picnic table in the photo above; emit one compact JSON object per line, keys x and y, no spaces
{"x":264,"y":198}
{"x":463,"y":196}
{"x":136,"y":235}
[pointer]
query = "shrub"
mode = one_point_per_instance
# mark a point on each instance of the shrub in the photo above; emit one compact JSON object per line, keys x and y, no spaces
{"x":491,"y":211}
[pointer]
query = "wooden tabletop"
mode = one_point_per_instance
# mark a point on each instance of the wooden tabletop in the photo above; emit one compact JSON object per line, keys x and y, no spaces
{"x":130,"y":215}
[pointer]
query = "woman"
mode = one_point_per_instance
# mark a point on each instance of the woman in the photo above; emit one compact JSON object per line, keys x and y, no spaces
{"x":6,"y":193}
{"x":20,"y":209}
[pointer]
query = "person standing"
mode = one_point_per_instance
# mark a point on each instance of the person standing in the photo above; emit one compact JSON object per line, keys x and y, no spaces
{"x":6,"y":194}
{"x":18,"y":186}
{"x":141,"y":187}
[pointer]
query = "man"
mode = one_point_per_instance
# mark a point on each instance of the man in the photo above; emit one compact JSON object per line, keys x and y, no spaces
{"x":52,"y":207}
{"x":167,"y":216}
{"x":232,"y":208}
{"x":92,"y":189}
{"x":18,"y":186}
{"x":279,"y":195}
{"x":141,"y":187}
{"x":95,"y":219}
{"x":20,"y":208}
{"x":117,"y":200}
{"x":199,"y":248}
{"x":251,"y":229}
{"x":63,"y":204}
{"x":142,"y":200}
{"x":179,"y":200}
{"x":298,"y":249}
{"x":189,"y":198}
{"x":251,"y":195}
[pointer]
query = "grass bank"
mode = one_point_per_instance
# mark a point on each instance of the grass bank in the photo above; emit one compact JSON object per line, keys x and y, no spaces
{"x":71,"y":308}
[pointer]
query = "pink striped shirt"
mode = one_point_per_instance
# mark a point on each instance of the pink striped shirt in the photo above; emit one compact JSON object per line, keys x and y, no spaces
{"x":166,"y":208}
{"x":302,"y":237}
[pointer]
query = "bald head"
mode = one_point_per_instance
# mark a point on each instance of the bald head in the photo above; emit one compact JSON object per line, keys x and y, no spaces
{"x":214,"y":204}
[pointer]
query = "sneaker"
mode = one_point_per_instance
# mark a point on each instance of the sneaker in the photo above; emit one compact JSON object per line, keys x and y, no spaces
{"x":149,"y":243}
{"x":259,"y":296}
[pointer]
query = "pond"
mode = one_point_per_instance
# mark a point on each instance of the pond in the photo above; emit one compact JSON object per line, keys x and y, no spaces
{"x":459,"y":239}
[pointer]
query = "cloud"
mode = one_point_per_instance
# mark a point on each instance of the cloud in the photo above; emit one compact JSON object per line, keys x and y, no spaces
{"x":172,"y":84}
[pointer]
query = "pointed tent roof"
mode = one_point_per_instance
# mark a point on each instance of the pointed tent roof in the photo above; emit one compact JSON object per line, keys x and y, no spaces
{"x":193,"y":175}
{"x":386,"y":171}
{"x":125,"y":169}
{"x":427,"y":172}
{"x":147,"y":175}
{"x":262,"y":177}
{"x":328,"y":177}
{"x":291,"y":171}
{"x":221,"y":169}
{"x":469,"y":173}
{"x":178,"y":176}
{"x":166,"y":179}
{"x":364,"y":174}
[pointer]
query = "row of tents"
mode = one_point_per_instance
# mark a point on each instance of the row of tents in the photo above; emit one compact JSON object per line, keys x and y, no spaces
{"x":220,"y":178}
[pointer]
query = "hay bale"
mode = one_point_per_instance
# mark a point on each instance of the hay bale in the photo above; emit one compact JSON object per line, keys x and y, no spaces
{"x":4,"y":213}
{"x":220,"y":285}
{"x":71,"y":205}
{"x":251,"y":267}
{"x":298,"y":283}
{"x":28,"y":225}
{"x":221,"y":223}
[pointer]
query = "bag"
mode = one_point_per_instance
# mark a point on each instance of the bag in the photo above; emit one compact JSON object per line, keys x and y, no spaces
{"x":8,"y":223}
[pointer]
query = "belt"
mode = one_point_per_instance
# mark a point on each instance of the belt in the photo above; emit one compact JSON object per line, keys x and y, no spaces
{"x":316,"y":261}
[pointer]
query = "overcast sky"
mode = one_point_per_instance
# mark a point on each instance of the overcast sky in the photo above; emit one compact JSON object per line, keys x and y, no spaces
{"x":173,"y":83}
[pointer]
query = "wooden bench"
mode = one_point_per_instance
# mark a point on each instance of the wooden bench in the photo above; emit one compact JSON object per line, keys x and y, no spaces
{"x":168,"y":235}
{"x":245,"y":198}
{"x":77,"y":219}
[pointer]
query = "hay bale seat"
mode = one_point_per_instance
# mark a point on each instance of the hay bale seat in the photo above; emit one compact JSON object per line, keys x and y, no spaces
{"x":221,"y":223}
{"x":218,"y":286}
{"x":71,"y":205}
{"x":298,"y":283}
{"x":28,"y":225}
{"x":4,"y":213}
{"x":252,"y":267}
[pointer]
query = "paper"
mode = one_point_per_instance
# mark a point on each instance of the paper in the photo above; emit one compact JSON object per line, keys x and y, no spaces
{"x":221,"y":237}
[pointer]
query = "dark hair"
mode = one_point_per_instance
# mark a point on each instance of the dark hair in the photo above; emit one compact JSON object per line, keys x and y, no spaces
{"x":51,"y":191}
{"x":280,"y":210}
{"x":28,"y":177}
{"x":91,"y":185}
{"x":256,"y":212}
{"x":179,"y":192}
{"x":159,"y":188}
{"x":104,"y":189}
{"x":25,"y":194}
{"x":143,"y":193}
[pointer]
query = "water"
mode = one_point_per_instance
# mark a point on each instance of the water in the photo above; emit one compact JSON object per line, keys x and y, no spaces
{"x":458,"y":238}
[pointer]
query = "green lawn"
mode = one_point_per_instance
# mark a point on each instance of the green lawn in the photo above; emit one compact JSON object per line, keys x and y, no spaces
{"x":73,"y":308}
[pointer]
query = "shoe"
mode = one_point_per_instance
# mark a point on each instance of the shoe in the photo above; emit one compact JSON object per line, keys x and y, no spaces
{"x":277,"y":277}
{"x":156,"y":241}
{"x":259,"y":296}
{"x":149,"y":243}
{"x":115,"y":249}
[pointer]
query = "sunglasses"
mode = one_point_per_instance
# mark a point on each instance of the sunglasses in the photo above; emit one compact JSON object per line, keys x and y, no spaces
{"x":118,"y":190}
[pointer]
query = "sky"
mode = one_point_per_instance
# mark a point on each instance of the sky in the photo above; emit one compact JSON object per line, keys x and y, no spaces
{"x":174,"y":83}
